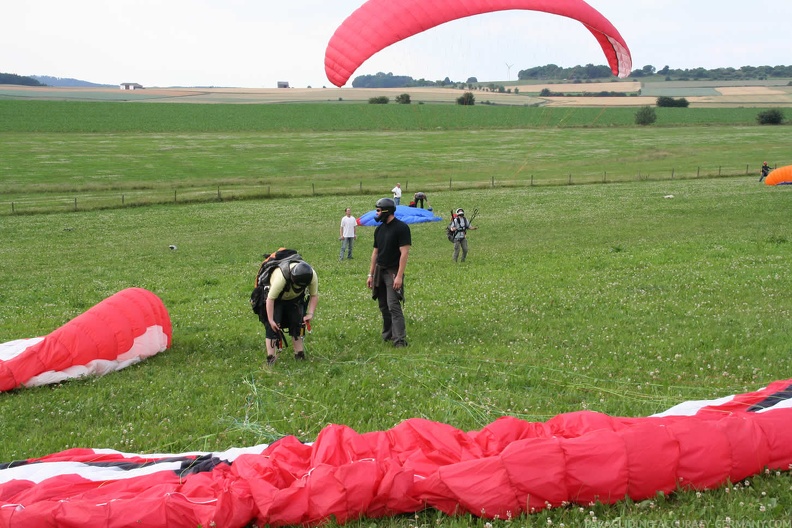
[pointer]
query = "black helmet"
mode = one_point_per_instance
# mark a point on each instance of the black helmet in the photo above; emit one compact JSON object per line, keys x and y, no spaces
{"x":302,"y":274}
{"x":387,"y":207}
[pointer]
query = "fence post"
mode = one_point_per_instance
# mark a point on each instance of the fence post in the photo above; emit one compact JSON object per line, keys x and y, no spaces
{"x":174,"y":195}
{"x":361,"y":186}
{"x":75,"y":203}
{"x":531,"y":180}
{"x":449,"y":183}
{"x":313,"y":189}
{"x":493,"y":182}
{"x":672,"y":173}
{"x":219,"y":198}
{"x":268,"y":189}
{"x":746,"y":170}
{"x":12,"y":208}
{"x":605,"y":177}
{"x":122,"y":198}
{"x":719,"y":170}
{"x":698,"y":171}
{"x":570,"y":178}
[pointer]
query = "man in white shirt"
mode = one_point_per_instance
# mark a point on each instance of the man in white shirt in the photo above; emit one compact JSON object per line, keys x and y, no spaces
{"x":348,"y":234}
{"x":397,"y":193}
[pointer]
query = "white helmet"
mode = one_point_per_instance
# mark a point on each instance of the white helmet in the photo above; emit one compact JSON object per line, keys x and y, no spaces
{"x":460,"y":212}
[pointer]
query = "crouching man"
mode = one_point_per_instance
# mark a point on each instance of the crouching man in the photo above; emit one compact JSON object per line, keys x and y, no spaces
{"x":291,"y":303}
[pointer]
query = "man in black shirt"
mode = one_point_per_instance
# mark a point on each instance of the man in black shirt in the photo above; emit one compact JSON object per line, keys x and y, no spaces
{"x":392,"y":241}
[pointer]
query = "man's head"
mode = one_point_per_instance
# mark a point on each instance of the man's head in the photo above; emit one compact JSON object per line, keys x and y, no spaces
{"x":460,"y":212}
{"x":765,"y":163}
{"x":348,"y":211}
{"x":302,"y":274}
{"x":384,"y":208}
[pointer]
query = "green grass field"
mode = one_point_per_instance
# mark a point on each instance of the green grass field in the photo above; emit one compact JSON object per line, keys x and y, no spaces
{"x":610,"y":297}
{"x":59,"y":156}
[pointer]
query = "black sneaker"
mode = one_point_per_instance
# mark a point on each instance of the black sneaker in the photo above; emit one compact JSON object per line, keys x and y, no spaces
{"x":299,"y":356}
{"x":271,"y":360}
{"x":401,"y":343}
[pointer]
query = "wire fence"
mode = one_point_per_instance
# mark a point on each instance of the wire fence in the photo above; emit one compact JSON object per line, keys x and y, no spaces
{"x":44,"y":203}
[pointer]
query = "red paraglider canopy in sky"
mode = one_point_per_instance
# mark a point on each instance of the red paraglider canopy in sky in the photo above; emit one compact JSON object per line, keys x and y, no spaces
{"x":379,"y":23}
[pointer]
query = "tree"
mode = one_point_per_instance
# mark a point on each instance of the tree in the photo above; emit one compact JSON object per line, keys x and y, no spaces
{"x":648,"y":69}
{"x":379,"y":100}
{"x":773,"y":116}
{"x":472,"y":80}
{"x":403,"y":98}
{"x":669,"y":102}
{"x":645,"y":115}
{"x":467,"y":99}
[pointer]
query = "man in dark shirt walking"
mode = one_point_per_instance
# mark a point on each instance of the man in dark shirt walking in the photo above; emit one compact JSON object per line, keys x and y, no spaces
{"x":392,"y":241}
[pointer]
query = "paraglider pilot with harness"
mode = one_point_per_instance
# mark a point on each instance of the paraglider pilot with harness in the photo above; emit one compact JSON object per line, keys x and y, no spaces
{"x":458,"y":232}
{"x":765,"y":171}
{"x":288,"y":292}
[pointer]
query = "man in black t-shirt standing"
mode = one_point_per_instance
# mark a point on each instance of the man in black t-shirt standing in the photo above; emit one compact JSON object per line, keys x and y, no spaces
{"x":392,"y":241}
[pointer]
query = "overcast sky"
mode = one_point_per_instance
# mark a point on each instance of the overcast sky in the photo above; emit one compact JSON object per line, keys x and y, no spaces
{"x":255,"y":43}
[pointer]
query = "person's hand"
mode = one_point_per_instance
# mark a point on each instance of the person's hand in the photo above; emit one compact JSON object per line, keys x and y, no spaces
{"x":274,"y":325}
{"x":369,"y":282}
{"x":340,"y":238}
{"x":397,"y":282}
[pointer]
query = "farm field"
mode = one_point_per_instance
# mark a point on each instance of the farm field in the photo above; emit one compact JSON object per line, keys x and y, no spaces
{"x":65,"y":155}
{"x":701,"y":94}
{"x":612,"y":298}
{"x":616,"y":269}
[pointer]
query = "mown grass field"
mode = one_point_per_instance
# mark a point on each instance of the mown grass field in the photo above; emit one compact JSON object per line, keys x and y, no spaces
{"x":58,"y":156}
{"x":608,"y":297}
{"x":111,"y":117}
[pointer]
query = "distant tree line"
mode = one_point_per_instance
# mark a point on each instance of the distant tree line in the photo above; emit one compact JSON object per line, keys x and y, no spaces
{"x":12,"y":78}
{"x":589,"y":72}
{"x":388,"y":80}
{"x":552,"y":72}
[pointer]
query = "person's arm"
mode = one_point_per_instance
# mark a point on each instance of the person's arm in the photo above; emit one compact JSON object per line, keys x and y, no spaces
{"x":341,"y":230}
{"x":277,"y":285}
{"x":312,"y":302}
{"x":398,"y":280}
{"x":270,"y":311}
{"x":354,"y":229}
{"x":370,"y":278}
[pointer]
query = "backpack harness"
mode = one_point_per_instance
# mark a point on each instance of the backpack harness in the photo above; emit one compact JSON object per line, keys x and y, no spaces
{"x":281,"y":259}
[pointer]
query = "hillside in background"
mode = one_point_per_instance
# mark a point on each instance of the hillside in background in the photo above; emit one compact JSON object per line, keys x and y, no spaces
{"x":66,"y":82}
{"x":13,"y":78}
